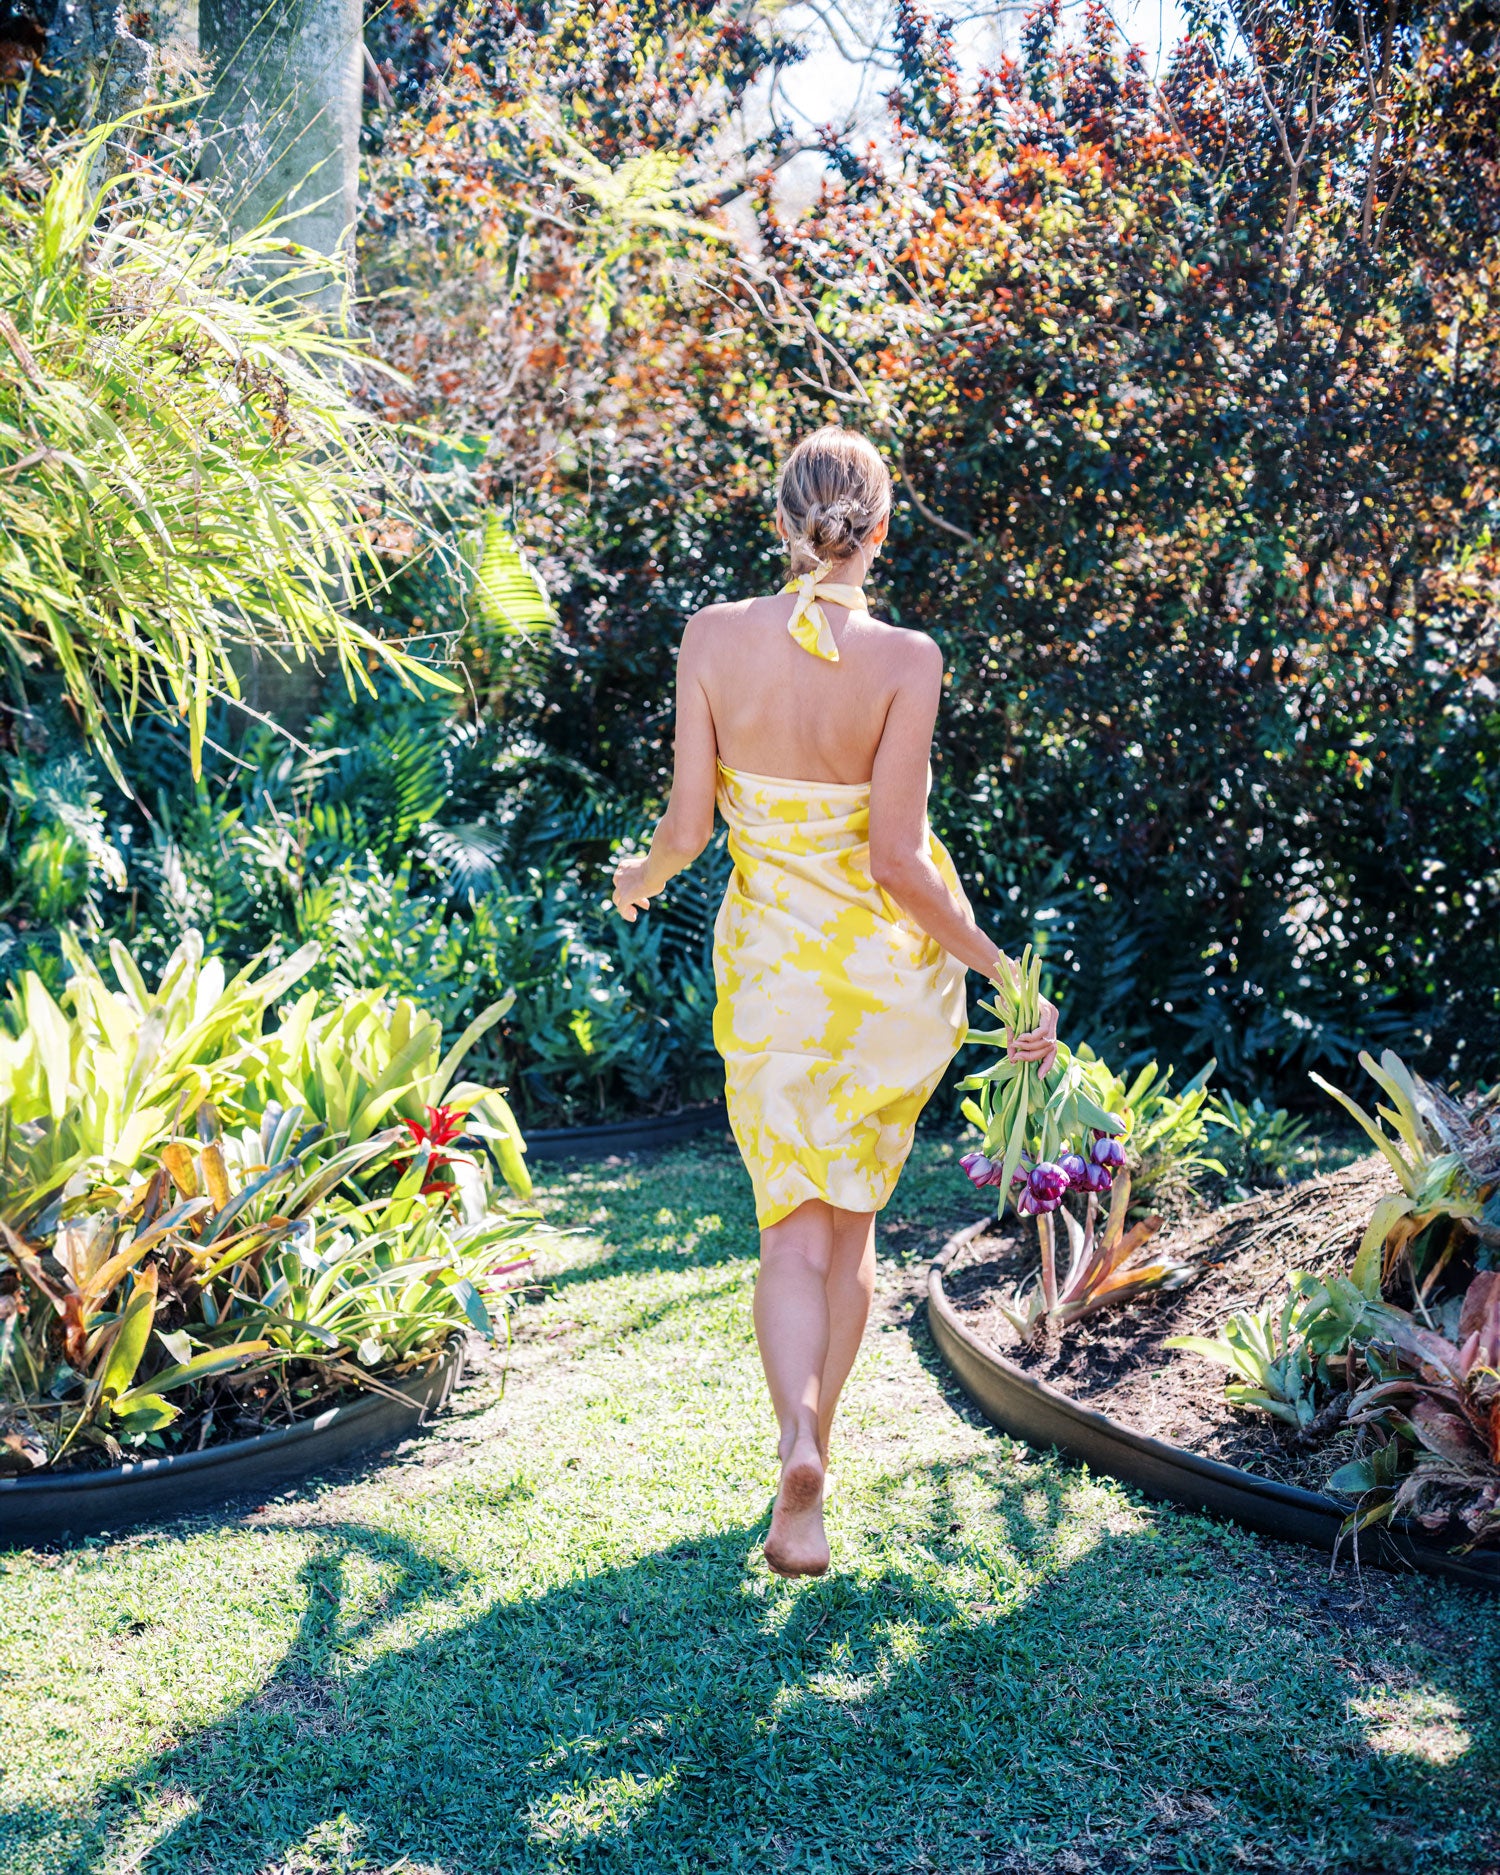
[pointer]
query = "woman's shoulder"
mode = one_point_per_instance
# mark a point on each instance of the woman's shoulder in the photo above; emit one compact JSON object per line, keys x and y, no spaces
{"x":728,"y":622}
{"x":917,"y":646}
{"x":908,"y":652}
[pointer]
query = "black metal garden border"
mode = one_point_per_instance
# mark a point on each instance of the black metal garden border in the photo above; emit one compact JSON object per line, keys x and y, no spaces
{"x":56,"y":1506}
{"x":618,"y":1136}
{"x":1029,"y":1409}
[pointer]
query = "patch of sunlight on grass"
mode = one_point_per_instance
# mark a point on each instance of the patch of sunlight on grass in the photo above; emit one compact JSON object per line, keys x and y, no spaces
{"x":1092,"y":1508}
{"x":903,"y":1641}
{"x":603,"y":1806}
{"x":844,"y":1689}
{"x":838,"y":1695}
{"x":782,"y":1603}
{"x":1417,"y":1724}
{"x":998,"y":1574}
{"x":1036,"y":1507}
{"x":336,"y":1847}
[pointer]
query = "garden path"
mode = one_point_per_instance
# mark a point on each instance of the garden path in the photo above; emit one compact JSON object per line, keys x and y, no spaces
{"x":541,"y":1639}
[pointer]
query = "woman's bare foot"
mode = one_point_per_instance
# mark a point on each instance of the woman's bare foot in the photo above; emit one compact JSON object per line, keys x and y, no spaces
{"x":797,"y":1545}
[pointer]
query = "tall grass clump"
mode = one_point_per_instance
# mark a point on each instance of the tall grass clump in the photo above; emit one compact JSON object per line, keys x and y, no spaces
{"x":185,"y":470}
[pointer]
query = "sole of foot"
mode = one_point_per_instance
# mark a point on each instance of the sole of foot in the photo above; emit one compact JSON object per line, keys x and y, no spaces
{"x":797,"y":1545}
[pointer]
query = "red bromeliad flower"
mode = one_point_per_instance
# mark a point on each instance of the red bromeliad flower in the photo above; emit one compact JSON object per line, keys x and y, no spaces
{"x":441,"y":1127}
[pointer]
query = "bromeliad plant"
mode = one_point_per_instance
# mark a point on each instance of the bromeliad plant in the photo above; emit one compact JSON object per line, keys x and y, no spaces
{"x":1412,"y":1394}
{"x":371,"y":1059}
{"x":1167,"y":1133}
{"x":93,"y":1083}
{"x":1430,"y":1419}
{"x":338,"y":1225}
{"x":1107,"y":1264}
{"x":1422,"y":1401}
{"x":1293,"y":1362}
{"x":1257,"y":1144}
{"x":89,"y":1086}
{"x":1446,"y":1162}
{"x":162,"y":1259}
{"x":237,"y":1281}
{"x":1269,"y":1352}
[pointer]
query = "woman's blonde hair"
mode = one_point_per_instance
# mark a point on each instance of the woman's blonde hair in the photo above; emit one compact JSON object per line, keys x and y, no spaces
{"x":832,"y":493}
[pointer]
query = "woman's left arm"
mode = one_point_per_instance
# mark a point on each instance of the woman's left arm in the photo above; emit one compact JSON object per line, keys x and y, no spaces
{"x":687,"y":826}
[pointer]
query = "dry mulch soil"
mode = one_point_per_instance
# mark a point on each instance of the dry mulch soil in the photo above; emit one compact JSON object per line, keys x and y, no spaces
{"x":1116,"y":1361}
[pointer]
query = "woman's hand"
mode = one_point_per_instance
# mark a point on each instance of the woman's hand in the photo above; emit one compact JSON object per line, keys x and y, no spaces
{"x":1038,"y":1044}
{"x":630,"y":894}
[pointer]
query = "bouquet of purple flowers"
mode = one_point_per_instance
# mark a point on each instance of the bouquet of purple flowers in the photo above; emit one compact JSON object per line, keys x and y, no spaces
{"x":1040,"y":1187}
{"x":1030,"y":1118}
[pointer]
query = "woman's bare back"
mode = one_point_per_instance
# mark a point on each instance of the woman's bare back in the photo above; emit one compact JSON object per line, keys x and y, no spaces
{"x":777,"y":711}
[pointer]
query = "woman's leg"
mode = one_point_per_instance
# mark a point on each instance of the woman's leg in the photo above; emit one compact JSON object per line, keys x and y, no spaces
{"x":850,"y":1286}
{"x":792,"y":1330}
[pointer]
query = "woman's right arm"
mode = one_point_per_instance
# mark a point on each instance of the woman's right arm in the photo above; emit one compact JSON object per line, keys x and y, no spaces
{"x":900,"y":859}
{"x":688,"y":824}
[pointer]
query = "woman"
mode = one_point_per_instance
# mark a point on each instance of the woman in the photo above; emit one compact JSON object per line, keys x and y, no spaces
{"x":841,"y":946}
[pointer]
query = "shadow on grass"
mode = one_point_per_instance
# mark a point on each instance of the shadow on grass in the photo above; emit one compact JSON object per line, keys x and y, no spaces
{"x":1005,"y":1677}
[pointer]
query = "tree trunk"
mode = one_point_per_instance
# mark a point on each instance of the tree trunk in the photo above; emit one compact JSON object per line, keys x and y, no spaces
{"x":100,"y":59}
{"x":283,"y":119}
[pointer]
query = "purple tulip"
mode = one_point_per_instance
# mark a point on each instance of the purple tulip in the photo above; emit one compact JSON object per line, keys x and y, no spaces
{"x":1097,"y":1178}
{"x":978,"y":1167}
{"x":1108,"y":1151}
{"x":1026,"y":1204}
{"x":1076,"y":1168}
{"x":1048,"y":1183}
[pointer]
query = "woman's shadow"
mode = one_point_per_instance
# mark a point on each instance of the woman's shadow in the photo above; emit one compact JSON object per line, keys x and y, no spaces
{"x":972,"y":1710}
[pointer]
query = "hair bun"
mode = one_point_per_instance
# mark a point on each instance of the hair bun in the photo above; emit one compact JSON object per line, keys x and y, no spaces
{"x":831,"y":495}
{"x":837,"y":527}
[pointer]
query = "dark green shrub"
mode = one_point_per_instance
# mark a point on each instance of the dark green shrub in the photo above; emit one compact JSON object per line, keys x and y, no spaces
{"x":1210,"y":558}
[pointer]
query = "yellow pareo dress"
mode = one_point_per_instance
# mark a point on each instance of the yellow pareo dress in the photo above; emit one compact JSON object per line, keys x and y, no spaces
{"x":836,"y":1014}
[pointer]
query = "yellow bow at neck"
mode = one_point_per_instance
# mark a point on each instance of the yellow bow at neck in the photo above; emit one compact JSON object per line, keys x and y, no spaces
{"x":809,"y":623}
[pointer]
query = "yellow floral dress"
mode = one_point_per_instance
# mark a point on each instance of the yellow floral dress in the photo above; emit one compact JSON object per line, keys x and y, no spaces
{"x":836,"y":1015}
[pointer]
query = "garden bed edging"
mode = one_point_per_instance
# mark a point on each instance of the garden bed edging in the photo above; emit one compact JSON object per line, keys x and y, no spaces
{"x":611,"y":1136}
{"x":56,"y":1505}
{"x":1043,"y":1416}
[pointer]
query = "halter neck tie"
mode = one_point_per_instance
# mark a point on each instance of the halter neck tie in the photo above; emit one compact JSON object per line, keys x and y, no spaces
{"x":809,"y":623}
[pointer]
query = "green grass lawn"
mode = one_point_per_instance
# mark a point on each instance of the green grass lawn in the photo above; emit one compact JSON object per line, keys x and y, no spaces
{"x":541,"y":1639}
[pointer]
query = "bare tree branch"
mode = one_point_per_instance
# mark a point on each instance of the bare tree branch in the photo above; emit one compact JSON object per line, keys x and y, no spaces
{"x":927,"y":514}
{"x":732,"y":191}
{"x":382,"y":89}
